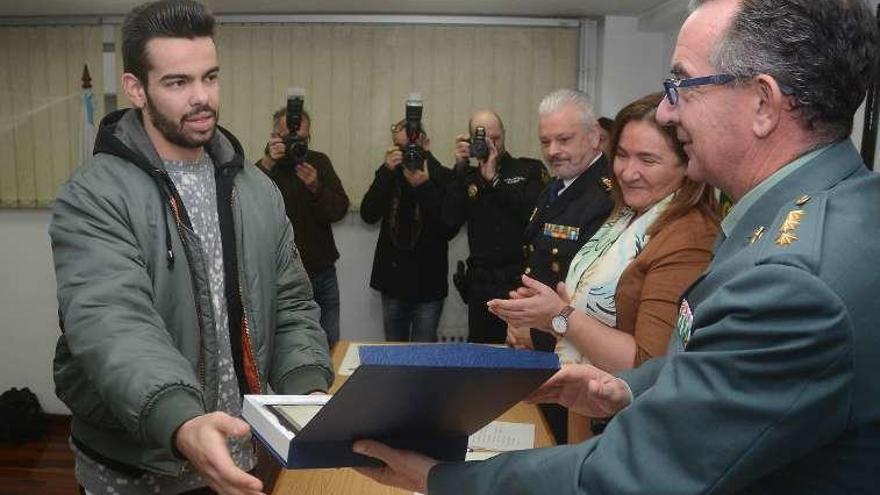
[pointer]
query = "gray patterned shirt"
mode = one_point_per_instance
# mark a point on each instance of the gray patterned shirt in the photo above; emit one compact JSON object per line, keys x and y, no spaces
{"x":196,"y":185}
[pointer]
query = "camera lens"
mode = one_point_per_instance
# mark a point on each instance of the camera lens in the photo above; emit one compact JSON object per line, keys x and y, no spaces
{"x":479,"y":147}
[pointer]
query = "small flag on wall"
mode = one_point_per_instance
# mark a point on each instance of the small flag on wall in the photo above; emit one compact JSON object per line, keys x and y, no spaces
{"x":88,"y":131}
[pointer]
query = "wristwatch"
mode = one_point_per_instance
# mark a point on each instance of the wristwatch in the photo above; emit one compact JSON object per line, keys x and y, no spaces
{"x":560,"y":321}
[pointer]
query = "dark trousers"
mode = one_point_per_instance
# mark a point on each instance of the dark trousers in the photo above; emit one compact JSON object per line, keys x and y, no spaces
{"x":484,"y":284}
{"x":326,"y":289}
{"x":411,"y":321}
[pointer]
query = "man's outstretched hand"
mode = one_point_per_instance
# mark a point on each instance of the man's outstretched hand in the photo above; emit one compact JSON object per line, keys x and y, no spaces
{"x":202,"y":440}
{"x":584,"y":389}
{"x":403,"y":468}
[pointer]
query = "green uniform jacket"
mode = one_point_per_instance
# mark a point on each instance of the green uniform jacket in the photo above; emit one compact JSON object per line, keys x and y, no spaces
{"x":137,"y":356}
{"x":773,"y":385}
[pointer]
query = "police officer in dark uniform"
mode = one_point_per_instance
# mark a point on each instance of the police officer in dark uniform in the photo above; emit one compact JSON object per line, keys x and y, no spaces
{"x":571,"y":208}
{"x":573,"y":205}
{"x":495,"y":198}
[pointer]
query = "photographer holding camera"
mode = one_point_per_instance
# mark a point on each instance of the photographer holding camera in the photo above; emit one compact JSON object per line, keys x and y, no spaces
{"x":313,"y":199}
{"x":410,"y":264}
{"x":495,"y":198}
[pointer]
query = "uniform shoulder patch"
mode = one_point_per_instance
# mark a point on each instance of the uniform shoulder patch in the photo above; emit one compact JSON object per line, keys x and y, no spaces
{"x":796,"y":232}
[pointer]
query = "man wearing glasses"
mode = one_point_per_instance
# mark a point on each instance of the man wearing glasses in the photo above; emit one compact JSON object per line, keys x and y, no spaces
{"x":770,"y":384}
{"x":314,"y":199}
{"x":411,"y":265}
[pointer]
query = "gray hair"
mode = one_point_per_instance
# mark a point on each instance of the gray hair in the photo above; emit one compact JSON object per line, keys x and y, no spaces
{"x":561,"y":98}
{"x":821,"y":52}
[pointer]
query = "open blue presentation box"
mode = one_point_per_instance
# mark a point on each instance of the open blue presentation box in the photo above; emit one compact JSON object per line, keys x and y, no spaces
{"x":426,"y":398}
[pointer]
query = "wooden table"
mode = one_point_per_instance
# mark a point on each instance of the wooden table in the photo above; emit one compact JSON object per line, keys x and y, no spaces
{"x":347,"y":481}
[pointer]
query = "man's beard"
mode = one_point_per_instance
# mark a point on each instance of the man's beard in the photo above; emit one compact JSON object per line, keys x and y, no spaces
{"x":564,"y":169}
{"x":173,"y":131}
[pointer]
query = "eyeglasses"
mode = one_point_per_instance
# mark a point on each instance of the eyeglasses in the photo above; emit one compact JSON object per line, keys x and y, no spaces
{"x":671,"y":85}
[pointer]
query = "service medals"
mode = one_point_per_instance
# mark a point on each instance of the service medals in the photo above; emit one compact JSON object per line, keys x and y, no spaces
{"x":557,"y":231}
{"x":684,"y":323}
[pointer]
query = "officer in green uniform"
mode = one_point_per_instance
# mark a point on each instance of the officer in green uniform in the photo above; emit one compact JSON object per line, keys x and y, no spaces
{"x":771,"y":381}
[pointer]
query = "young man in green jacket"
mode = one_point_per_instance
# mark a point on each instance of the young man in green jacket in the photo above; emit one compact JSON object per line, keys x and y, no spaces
{"x":179,"y":285}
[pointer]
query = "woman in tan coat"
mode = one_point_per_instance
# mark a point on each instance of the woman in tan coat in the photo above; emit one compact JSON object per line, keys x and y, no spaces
{"x":620,"y":300}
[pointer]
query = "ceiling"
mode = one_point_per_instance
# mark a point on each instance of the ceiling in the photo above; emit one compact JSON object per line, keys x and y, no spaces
{"x":530,"y":8}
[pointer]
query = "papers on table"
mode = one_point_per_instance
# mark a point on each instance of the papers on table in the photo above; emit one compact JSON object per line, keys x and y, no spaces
{"x":500,"y":436}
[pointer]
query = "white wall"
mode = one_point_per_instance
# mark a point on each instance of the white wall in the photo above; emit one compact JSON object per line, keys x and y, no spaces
{"x":631,"y":63}
{"x":361,"y":307}
{"x":29,"y":308}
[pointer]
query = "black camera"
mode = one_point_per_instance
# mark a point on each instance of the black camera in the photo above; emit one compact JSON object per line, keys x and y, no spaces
{"x":413,"y":153}
{"x":295,"y":146}
{"x":479,"y":148}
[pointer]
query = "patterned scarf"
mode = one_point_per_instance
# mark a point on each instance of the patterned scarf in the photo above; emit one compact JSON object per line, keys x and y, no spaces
{"x":597,"y":266}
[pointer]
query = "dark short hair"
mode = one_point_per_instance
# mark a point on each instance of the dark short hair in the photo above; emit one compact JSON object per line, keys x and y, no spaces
{"x":162,"y":19}
{"x":282,"y":113}
{"x":605,"y":123}
{"x":824,"y":51}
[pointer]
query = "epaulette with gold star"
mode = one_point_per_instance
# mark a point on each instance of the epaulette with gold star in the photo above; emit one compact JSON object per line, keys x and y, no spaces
{"x":796,"y":232}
